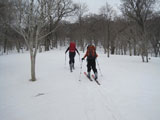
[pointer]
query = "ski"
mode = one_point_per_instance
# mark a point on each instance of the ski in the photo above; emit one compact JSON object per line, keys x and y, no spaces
{"x":96,"y":80}
{"x":87,"y":76}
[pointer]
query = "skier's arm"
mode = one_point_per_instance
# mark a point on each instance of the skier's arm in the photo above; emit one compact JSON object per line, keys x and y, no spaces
{"x":77,"y":51}
{"x":96,"y":55}
{"x":85,"y":56}
{"x":67,"y":50}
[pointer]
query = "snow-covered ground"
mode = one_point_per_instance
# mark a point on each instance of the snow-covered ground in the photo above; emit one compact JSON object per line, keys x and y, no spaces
{"x":129,"y":90}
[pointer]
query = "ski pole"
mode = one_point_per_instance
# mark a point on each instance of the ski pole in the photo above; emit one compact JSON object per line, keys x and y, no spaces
{"x":80,"y":71}
{"x":99,"y":68}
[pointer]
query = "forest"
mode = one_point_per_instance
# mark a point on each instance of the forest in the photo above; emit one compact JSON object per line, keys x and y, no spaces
{"x":136,"y":31}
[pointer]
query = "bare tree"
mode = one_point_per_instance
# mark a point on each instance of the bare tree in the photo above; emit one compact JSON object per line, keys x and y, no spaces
{"x":33,"y":16}
{"x":107,"y":13}
{"x":139,"y":11}
{"x":82,"y":9}
{"x":64,"y":8}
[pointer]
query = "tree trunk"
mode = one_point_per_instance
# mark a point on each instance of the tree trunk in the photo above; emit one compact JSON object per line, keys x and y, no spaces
{"x":18,"y":46}
{"x":104,"y":45}
{"x":147,"y":57}
{"x":155,"y":52}
{"x":142,"y":54}
{"x":112,"y":47}
{"x":134,"y":47}
{"x":145,"y":43}
{"x":130,"y":49}
{"x":146,"y":51}
{"x":5,"y":45}
{"x":125,"y":50}
{"x":105,"y":50}
{"x":47,"y":44}
{"x":33,"y":74}
{"x":108,"y":42}
{"x":142,"y":58}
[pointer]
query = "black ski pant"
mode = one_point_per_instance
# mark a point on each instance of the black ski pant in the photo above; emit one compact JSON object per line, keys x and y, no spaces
{"x":91,"y":64}
{"x":71,"y":57}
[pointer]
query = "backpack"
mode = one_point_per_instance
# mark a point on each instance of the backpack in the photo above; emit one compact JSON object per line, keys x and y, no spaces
{"x":91,"y":52}
{"x":72,"y":47}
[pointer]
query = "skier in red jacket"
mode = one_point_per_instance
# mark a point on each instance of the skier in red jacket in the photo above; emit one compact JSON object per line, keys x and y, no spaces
{"x":91,"y":60}
{"x":72,"y":48}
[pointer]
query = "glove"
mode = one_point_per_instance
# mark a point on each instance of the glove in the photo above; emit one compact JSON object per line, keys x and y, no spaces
{"x":82,"y":58}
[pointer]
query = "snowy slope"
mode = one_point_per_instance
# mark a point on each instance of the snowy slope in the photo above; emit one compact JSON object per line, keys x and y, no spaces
{"x":130,"y":89}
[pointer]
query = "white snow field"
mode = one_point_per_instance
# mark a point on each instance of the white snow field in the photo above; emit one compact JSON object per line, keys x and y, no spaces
{"x":129,"y":90}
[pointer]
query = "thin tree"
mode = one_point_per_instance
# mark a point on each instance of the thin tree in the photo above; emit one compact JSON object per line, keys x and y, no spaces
{"x":107,"y":13}
{"x":82,"y":9}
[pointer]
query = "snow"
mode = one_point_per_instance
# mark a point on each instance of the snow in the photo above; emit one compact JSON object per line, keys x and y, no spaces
{"x":129,"y":89}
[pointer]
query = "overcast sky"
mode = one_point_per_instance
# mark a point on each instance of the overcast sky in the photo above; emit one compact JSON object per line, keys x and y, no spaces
{"x":94,"y":5}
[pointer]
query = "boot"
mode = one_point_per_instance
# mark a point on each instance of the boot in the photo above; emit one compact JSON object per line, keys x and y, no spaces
{"x":89,"y":75}
{"x":96,"y":75}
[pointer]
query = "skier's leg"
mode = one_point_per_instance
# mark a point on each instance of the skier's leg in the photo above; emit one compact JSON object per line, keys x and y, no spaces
{"x":88,"y":67}
{"x":73,"y":66}
{"x":96,"y":75}
{"x":73,"y":60}
{"x":70,"y":67}
{"x":72,"y":54}
{"x":70,"y":58}
{"x":94,"y":69}
{"x":70,"y":61}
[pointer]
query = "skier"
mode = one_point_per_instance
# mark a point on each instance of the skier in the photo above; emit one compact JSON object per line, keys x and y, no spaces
{"x":72,"y":48}
{"x":91,"y":60}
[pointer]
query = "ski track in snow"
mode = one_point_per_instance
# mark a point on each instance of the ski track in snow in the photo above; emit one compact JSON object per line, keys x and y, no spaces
{"x":96,"y":95}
